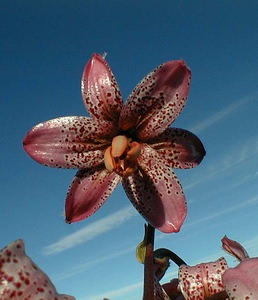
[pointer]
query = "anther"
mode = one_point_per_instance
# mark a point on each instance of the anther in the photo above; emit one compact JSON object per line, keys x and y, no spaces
{"x":119,"y":145}
{"x":108,"y":160}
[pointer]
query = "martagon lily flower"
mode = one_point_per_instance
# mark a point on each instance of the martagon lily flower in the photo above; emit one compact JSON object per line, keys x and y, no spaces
{"x":21,"y":278}
{"x":129,"y":142}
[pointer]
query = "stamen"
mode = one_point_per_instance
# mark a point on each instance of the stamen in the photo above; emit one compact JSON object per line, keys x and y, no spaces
{"x":134,"y":151}
{"x":108,"y":160}
{"x":119,"y":145}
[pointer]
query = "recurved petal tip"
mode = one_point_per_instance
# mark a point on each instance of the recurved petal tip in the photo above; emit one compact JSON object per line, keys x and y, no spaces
{"x":180,"y":147}
{"x":234,"y":248}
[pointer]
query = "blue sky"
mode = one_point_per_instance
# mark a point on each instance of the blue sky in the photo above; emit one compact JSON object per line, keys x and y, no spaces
{"x":44,"y":47}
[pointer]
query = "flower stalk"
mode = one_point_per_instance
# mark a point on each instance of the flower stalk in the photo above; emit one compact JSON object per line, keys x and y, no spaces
{"x":148,"y":292}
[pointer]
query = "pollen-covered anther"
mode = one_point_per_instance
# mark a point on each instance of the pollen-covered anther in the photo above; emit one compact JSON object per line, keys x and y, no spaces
{"x":108,"y":160}
{"x":119,"y":145}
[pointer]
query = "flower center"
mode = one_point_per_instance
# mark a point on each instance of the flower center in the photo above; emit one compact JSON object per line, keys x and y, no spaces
{"x":121,"y":156}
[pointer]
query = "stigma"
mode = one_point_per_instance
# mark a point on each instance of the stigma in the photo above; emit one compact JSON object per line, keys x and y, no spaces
{"x":121,"y":156}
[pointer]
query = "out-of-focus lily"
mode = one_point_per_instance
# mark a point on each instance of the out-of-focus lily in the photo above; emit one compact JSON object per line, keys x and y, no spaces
{"x":21,"y":279}
{"x":172,"y":289}
{"x":131,"y":142}
{"x":214,"y":280}
{"x":241,"y":282}
{"x":203,"y":280}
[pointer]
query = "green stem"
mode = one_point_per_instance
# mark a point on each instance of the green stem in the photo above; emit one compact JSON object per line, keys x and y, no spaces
{"x":148,"y":292}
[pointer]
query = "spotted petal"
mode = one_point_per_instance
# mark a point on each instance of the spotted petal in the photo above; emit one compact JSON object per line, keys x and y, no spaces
{"x":203,"y":280}
{"x":181,"y":148}
{"x":156,"y":192}
{"x":88,"y":191}
{"x":241,"y":282}
{"x":69,"y":142}
{"x":100,"y":91}
{"x":21,"y":279}
{"x":157,"y":100}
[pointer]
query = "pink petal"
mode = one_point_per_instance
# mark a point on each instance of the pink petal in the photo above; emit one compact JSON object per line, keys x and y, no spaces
{"x":100,"y":90}
{"x":21,"y":279}
{"x":241,"y":282}
{"x":88,"y":192}
{"x":234,"y":248}
{"x":156,"y":192}
{"x":69,"y":142}
{"x":181,"y":148}
{"x":172,"y":289}
{"x":157,"y":100}
{"x":203,"y":280}
{"x":159,"y":292}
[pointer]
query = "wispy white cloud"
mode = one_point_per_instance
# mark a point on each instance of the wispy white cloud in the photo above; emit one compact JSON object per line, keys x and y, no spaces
{"x":242,"y":181}
{"x":91,"y":231}
{"x":252,"y":201}
{"x":228,"y":161}
{"x":252,"y":245}
{"x":82,"y":267}
{"x":213,"y":119}
{"x":117,"y":293}
{"x":248,"y":202}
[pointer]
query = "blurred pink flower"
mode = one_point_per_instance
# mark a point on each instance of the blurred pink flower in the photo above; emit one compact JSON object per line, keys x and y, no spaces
{"x":203,"y":280}
{"x":241,"y":282}
{"x":21,"y":279}
{"x":214,"y":280}
{"x":200,"y":282}
{"x":129,"y":142}
{"x":172,"y":290}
